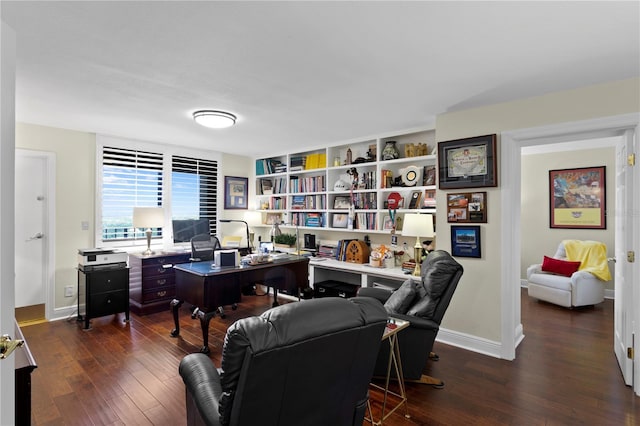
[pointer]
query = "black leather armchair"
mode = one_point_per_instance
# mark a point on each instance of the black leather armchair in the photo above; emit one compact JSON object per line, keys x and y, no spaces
{"x":304,"y":363}
{"x":423,"y":304}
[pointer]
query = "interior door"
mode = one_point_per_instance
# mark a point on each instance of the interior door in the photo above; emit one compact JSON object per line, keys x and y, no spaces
{"x":30,"y":223}
{"x":623,"y":305}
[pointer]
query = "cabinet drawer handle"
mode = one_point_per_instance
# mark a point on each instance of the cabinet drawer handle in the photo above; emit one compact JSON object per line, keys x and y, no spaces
{"x":161,"y":293}
{"x":161,"y":270}
{"x":161,"y":282}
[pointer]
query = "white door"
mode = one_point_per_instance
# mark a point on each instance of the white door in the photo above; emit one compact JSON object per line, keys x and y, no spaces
{"x":624,"y":278}
{"x":30,"y":228}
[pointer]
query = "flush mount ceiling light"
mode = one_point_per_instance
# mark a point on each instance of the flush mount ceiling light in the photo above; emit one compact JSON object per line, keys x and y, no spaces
{"x":214,"y":119}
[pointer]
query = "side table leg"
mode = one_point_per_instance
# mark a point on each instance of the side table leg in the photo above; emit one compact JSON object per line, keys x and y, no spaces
{"x":175,"y":307}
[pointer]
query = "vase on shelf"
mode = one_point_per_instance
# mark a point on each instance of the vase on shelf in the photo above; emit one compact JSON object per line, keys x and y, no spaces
{"x":390,"y":151}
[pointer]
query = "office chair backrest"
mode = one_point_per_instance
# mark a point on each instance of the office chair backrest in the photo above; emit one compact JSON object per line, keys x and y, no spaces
{"x":203,"y":246}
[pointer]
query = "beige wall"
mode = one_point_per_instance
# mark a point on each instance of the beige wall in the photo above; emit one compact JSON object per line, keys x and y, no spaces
{"x":74,"y":195}
{"x":476,"y":305}
{"x":75,"y":154}
{"x":538,"y":239}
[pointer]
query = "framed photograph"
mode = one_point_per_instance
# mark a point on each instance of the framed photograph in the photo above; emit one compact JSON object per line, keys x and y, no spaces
{"x":236,"y":191}
{"x":387,"y":222}
{"x":467,"y":207}
{"x":429,"y":176}
{"x":468,"y":163}
{"x":577,"y":198}
{"x":340,"y":220}
{"x":341,"y":202}
{"x":465,"y":241}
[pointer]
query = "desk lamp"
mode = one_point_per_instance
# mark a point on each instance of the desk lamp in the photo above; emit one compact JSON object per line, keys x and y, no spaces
{"x":147,"y":218}
{"x":417,"y":225}
{"x":246,"y":225}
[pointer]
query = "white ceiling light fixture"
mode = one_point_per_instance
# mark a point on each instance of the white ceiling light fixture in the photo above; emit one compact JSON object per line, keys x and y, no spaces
{"x":214,"y":119}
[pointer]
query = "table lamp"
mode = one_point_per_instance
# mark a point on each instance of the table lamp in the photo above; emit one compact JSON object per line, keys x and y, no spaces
{"x":246,"y":226}
{"x":417,"y":225}
{"x":147,"y":218}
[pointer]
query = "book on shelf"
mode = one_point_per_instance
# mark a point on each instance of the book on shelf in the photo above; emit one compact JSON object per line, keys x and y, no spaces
{"x":313,"y":220}
{"x":266,"y":186}
{"x":298,"y":202}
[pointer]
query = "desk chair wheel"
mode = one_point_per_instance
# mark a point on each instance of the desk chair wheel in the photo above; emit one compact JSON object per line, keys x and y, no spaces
{"x":234,"y":306}
{"x":195,"y":312}
{"x":221,"y":312}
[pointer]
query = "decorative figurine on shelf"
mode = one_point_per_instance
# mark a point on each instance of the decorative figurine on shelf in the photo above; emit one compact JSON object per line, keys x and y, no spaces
{"x":349,"y":156}
{"x":390,"y":151}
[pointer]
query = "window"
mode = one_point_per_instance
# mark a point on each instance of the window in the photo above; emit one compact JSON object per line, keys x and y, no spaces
{"x":142,"y":174}
{"x":130,"y":179}
{"x":194,"y":190}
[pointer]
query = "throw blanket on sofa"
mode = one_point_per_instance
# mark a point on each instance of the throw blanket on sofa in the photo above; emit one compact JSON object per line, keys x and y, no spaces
{"x":591,"y":254}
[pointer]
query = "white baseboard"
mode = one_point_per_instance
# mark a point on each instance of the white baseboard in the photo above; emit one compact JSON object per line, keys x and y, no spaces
{"x":469,"y":342}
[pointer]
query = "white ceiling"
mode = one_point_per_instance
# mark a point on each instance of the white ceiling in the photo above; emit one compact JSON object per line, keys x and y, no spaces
{"x":302,"y":74}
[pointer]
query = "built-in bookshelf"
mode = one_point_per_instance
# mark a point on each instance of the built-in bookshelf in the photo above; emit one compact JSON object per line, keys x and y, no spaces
{"x":350,"y":186}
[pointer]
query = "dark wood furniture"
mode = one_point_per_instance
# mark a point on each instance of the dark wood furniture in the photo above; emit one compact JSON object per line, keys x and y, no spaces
{"x":102,"y":291}
{"x":152,"y":281}
{"x":24,"y":365}
{"x":206,"y":287}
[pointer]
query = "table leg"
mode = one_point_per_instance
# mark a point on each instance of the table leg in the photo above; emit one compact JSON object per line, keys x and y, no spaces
{"x":205,"y":318}
{"x":175,"y":307}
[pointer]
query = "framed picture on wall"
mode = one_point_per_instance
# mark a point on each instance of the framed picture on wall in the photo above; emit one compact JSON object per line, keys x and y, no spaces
{"x":236,"y":191}
{"x":577,"y":198}
{"x":465,"y":241}
{"x":468,"y":163}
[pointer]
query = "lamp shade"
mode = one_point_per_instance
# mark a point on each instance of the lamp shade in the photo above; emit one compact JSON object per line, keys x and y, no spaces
{"x":417,"y":225}
{"x":148,"y":217}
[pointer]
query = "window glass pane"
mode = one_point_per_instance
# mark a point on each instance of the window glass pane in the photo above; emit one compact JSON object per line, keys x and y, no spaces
{"x":129,"y":179}
{"x":194,"y":188}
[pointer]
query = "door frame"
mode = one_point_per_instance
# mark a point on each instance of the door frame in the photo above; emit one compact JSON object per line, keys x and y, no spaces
{"x":510,"y":170}
{"x":49,"y":225}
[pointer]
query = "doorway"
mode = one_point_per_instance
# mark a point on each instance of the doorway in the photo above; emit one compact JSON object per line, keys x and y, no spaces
{"x":511,"y":144}
{"x":34,"y":235}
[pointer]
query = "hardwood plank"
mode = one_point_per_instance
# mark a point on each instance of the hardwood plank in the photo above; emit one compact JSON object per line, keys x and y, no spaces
{"x":123,"y":374}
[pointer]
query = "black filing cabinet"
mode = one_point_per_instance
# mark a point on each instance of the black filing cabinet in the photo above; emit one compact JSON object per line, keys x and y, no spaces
{"x":102,"y":291}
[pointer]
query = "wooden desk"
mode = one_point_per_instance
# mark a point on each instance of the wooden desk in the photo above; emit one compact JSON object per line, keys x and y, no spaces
{"x":206,"y":287}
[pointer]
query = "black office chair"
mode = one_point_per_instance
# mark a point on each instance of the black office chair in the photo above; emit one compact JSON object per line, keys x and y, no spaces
{"x":202,"y":248}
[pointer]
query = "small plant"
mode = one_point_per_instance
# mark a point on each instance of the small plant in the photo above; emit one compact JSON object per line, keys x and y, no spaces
{"x":285,"y":239}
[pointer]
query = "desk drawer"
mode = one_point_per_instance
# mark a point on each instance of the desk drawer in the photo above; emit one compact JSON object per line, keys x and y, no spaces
{"x":106,"y":281}
{"x":156,"y":271}
{"x":335,"y":289}
{"x":163,"y":260}
{"x":159,"y":293}
{"x":108,"y":303}
{"x":151,"y":283}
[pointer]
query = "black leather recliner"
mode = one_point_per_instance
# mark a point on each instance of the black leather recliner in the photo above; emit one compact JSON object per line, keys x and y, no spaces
{"x":304,"y":363}
{"x":423,"y":304}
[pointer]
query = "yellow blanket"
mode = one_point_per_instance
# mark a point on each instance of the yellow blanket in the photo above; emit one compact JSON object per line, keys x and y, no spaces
{"x":591,"y":254}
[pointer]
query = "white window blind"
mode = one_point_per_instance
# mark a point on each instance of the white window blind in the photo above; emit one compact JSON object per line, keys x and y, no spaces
{"x":130,"y":178}
{"x":194,"y":190}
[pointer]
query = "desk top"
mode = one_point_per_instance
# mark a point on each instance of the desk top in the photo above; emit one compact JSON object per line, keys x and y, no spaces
{"x":207,"y":268}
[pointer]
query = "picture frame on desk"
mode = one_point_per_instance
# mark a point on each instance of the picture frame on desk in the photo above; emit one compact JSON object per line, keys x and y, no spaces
{"x":236,"y":192}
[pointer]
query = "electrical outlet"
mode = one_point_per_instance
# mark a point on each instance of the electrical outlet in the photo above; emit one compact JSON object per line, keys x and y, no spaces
{"x":68,"y":291}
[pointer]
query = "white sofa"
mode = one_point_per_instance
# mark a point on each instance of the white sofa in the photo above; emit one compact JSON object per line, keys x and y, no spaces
{"x":581,"y":289}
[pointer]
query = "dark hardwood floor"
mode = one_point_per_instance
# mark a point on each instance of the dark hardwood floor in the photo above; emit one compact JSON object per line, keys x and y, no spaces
{"x":127,"y":374}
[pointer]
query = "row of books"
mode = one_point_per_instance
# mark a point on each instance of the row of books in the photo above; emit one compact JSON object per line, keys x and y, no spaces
{"x":308,"y":202}
{"x":366,"y":221}
{"x":268,"y":166}
{"x":366,"y":200}
{"x":312,"y":219}
{"x":273,"y":186}
{"x":307,"y":184}
{"x":298,"y":163}
{"x":277,"y":203}
{"x":341,"y":249}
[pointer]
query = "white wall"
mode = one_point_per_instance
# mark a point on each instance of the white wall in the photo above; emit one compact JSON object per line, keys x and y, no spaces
{"x":476,"y":306}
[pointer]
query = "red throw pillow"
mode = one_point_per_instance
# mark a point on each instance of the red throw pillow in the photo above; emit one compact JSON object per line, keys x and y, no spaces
{"x":560,"y":267}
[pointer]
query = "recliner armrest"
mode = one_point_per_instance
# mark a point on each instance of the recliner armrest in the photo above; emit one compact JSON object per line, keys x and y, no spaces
{"x":382,"y":294}
{"x":418,"y":322}
{"x":534,"y":269}
{"x":203,"y":385}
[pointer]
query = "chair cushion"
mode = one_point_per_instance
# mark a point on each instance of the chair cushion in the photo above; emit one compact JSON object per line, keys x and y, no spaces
{"x":402,"y":298}
{"x":560,"y":267}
